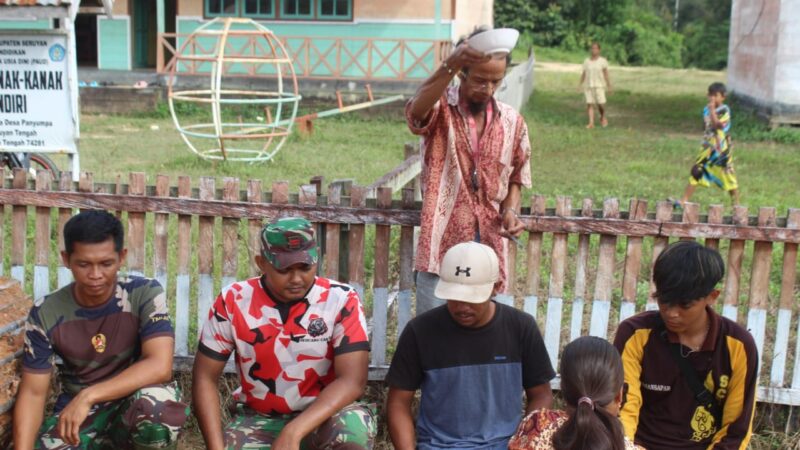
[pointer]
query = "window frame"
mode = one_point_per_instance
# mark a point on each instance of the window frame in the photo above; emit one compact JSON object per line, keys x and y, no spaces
{"x":334,"y":17}
{"x":309,"y":16}
{"x":243,"y":12}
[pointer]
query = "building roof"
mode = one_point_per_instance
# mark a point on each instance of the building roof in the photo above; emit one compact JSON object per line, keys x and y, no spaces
{"x":35,"y":2}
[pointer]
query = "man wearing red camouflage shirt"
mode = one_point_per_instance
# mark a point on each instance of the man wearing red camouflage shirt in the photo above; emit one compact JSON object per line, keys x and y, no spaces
{"x":301,"y":353}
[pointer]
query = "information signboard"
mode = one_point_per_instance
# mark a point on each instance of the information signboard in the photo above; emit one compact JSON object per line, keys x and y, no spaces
{"x":36,"y":111}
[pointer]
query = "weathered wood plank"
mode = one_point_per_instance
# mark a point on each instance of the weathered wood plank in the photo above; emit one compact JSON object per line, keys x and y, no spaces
{"x":183,"y":279}
{"x":19,"y":228}
{"x":555,"y":294}
{"x":633,"y":262}
{"x":534,"y":259}
{"x":715,"y":213}
{"x":205,"y":255}
{"x":161,"y":236}
{"x":604,"y":283}
{"x":230,"y":234}
{"x":41,"y":269}
{"x":787,"y":301}
{"x":663,"y":214}
{"x":358,"y":198}
{"x":735,"y":256}
{"x":332,"y":231}
{"x":136,"y":231}
{"x":380,"y":284}
{"x":581,"y":275}
{"x":254,"y":195}
{"x":406,"y":282}
{"x":691,"y":214}
{"x":64,"y":214}
{"x":759,"y":283}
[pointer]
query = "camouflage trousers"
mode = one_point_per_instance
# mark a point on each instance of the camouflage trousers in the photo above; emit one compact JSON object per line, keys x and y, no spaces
{"x":352,"y":428}
{"x":150,"y":418}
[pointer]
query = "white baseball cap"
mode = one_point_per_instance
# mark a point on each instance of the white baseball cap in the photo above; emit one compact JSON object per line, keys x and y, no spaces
{"x":468,"y":273}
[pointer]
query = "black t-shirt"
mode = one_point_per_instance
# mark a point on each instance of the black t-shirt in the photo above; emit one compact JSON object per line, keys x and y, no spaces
{"x":471,"y":379}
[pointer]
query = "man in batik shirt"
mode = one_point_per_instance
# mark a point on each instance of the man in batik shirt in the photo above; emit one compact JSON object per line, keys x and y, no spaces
{"x":301,"y":353}
{"x":116,"y":342}
{"x":475,"y":158}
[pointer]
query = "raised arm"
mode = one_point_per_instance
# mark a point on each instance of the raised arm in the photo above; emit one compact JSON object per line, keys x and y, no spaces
{"x":153,"y":367}
{"x":29,"y":409}
{"x":432,"y":89}
{"x":401,"y":421}
{"x":205,"y":374}
{"x":351,"y":378}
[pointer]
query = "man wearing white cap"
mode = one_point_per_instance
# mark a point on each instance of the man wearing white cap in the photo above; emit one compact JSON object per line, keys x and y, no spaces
{"x":471,"y":358}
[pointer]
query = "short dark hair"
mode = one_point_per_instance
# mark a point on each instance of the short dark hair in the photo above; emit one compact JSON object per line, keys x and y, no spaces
{"x":590,"y":368}
{"x":685,"y":272}
{"x":93,"y":227}
{"x":717,"y":88}
{"x":475,"y":32}
{"x":595,"y":43}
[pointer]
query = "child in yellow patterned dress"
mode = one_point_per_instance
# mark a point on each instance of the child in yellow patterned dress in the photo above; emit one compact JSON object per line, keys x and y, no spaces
{"x":714,"y":163}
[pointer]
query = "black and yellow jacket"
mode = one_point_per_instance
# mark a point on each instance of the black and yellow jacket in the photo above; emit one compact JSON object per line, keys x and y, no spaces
{"x":661,"y":412}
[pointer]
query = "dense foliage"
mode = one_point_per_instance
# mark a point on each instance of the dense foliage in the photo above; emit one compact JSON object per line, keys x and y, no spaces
{"x":632,"y":32}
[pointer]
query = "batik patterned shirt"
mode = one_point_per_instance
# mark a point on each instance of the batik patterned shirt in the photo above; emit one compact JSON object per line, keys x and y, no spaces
{"x":284,"y":351}
{"x":452,"y":210}
{"x":94,"y":343}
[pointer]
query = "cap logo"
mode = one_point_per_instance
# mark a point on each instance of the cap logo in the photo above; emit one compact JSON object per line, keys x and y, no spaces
{"x":294,"y":242}
{"x":459,"y":270}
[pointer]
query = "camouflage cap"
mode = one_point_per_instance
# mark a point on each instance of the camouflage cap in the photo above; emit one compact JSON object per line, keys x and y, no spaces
{"x":288,"y":241}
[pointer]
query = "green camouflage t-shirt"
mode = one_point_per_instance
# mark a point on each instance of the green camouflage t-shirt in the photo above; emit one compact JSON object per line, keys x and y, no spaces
{"x":94,"y":343}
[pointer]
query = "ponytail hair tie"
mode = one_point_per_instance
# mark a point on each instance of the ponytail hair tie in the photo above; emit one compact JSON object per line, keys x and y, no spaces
{"x":586,"y":400}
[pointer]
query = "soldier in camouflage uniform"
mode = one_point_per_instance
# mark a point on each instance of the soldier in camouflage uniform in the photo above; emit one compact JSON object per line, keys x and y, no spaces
{"x":115,"y":339}
{"x":301,"y":352}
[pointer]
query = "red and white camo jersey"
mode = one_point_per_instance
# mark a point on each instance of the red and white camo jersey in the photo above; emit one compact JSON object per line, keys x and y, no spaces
{"x":284,"y":351}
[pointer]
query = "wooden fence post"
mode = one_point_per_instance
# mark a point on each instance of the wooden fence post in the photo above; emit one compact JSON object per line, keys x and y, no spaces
{"x":41,"y":270}
{"x":715,"y":213}
{"x":86,"y":183}
{"x":19,"y":228}
{"x":230,"y":234}
{"x":581,"y":269}
{"x":637,"y":210}
{"x":183,"y":280}
{"x":691,"y":214}
{"x":788,"y":278}
{"x":555,"y":294}
{"x":534,"y":259}
{"x":64,"y":214}
{"x":358,"y":199}
{"x":254,"y":195}
{"x":160,"y":236}
{"x":406,"y":281}
{"x":136,"y":228}
{"x":205,"y":255}
{"x":730,"y":307}
{"x":332,"y":235}
{"x":604,"y":284}
{"x":759,"y":283}
{"x":663,"y":214}
{"x":380,"y":283}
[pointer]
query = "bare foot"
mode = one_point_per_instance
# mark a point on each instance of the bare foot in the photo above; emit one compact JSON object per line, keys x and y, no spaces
{"x":604,"y":122}
{"x":591,"y":125}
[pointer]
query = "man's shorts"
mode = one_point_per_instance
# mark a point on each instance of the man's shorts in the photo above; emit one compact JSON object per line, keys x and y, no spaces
{"x":595,"y":95}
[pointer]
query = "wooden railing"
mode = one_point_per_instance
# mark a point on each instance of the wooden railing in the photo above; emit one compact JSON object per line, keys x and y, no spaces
{"x":315,"y":57}
{"x":597,"y":261}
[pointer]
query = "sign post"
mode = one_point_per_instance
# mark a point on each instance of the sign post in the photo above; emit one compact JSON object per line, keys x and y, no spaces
{"x":38,"y":95}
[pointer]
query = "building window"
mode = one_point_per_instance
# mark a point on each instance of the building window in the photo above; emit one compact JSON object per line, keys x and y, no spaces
{"x":281,"y":9}
{"x":259,"y":8}
{"x":297,"y":9}
{"x":335,"y":9}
